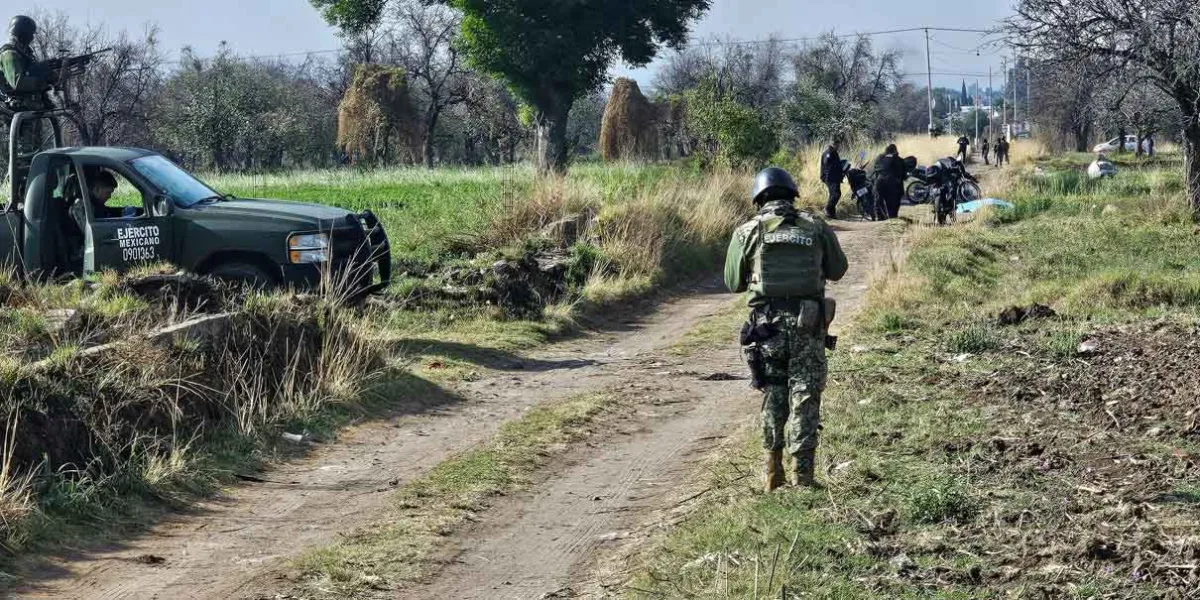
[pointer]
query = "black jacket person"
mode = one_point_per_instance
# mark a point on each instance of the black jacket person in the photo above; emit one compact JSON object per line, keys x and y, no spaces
{"x":963,"y":144}
{"x":782,"y":257}
{"x":889,"y":173}
{"x":831,"y":176}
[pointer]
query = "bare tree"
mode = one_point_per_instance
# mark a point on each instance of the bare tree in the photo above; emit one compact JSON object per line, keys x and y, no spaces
{"x":850,"y":69}
{"x":752,"y":74}
{"x":1134,"y":105}
{"x":112,"y":100}
{"x":1158,"y":38}
{"x":423,"y":43}
{"x":1067,"y":101}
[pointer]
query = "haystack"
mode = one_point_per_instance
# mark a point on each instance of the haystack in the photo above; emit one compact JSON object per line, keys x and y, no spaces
{"x":629,"y":130}
{"x":376,"y":119}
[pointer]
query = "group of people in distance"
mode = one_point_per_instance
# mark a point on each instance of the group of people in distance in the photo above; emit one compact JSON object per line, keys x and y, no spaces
{"x":888,"y":172}
{"x":1000,"y":148}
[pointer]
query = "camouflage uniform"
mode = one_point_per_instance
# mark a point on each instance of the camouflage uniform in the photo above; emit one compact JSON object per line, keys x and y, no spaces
{"x":795,"y":369}
{"x":792,"y":352}
{"x":24,"y":88}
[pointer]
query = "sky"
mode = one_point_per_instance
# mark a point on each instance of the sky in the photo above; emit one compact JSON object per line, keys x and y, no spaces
{"x":273,"y":27}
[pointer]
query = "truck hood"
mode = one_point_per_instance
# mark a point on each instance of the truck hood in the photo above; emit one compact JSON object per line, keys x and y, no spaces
{"x":316,"y":215}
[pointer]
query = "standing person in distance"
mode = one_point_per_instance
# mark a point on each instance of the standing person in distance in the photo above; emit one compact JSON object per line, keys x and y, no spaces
{"x":963,"y":143}
{"x":985,"y":149}
{"x":831,"y":176}
{"x":783,"y":257}
{"x":1002,"y":152}
{"x":889,"y":173}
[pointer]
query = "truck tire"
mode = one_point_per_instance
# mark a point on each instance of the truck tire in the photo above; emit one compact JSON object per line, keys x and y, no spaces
{"x":243,"y":273}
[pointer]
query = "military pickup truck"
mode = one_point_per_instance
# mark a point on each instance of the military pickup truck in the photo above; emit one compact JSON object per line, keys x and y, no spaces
{"x":51,"y":227}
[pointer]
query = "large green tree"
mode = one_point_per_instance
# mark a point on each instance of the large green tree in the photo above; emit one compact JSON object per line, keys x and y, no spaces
{"x":550,"y":52}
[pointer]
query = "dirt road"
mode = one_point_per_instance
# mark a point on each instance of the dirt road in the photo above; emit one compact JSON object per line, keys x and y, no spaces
{"x":549,"y":542}
{"x":533,"y":544}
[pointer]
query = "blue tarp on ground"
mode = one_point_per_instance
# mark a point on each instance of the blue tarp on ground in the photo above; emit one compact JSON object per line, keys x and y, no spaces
{"x":974,"y":206}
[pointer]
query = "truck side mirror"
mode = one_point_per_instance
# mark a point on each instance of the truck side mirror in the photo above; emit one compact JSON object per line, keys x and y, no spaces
{"x":162,"y":205}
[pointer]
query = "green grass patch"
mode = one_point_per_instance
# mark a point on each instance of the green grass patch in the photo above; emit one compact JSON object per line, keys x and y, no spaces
{"x":944,"y":499}
{"x":402,"y":549}
{"x":717,"y":331}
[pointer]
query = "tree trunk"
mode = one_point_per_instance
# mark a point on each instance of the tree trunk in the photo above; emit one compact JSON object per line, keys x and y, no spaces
{"x":1121,"y":141}
{"x":431,"y":121}
{"x":552,"y":136}
{"x":1192,"y":157}
{"x":1140,"y":138}
{"x":1081,"y":138}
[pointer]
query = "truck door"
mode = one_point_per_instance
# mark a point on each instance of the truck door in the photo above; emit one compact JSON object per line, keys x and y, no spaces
{"x":125,"y":226}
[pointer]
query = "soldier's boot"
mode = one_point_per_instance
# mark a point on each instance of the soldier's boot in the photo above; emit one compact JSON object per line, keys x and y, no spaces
{"x":775,"y":476}
{"x":804,"y":470}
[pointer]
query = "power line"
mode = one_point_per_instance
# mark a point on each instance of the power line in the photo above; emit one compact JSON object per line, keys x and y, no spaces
{"x":835,"y":36}
{"x":181,"y":59}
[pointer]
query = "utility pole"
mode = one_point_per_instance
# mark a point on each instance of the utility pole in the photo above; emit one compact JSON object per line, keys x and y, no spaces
{"x":1004,"y":113}
{"x":1013,"y":79}
{"x":1029,"y":96}
{"x":976,"y":112}
{"x":990,"y":104}
{"x":929,"y":80}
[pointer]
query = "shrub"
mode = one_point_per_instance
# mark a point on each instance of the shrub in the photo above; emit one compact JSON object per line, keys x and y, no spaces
{"x":730,"y":133}
{"x":975,"y":339}
{"x":941,"y":500}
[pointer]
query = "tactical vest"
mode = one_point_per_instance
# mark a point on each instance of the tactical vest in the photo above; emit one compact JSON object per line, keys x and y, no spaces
{"x":7,"y":92}
{"x":788,"y":262}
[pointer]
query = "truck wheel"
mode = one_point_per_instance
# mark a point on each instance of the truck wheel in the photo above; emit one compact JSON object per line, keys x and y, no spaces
{"x":241,"y":273}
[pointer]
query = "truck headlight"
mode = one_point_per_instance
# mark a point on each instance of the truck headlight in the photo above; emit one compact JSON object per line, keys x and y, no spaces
{"x":308,"y":248}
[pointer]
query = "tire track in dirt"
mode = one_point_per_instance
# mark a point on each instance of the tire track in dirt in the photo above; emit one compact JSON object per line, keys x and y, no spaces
{"x":602,"y":502}
{"x":222,"y":547}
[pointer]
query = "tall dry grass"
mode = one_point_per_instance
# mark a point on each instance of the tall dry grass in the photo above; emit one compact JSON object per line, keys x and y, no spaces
{"x":646,"y":230}
{"x":150,"y":417}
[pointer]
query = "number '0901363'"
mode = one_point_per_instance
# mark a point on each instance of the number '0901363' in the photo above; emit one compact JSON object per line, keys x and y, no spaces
{"x":138,"y":243}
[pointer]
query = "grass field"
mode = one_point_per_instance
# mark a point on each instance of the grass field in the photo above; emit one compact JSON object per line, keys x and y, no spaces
{"x":966,"y":459}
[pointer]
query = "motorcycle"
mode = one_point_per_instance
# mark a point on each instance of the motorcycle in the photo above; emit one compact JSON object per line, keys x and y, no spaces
{"x":946,"y":184}
{"x":860,"y":187}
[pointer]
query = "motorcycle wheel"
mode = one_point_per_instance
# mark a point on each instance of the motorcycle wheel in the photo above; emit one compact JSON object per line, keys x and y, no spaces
{"x":969,"y":191}
{"x":917,"y":193}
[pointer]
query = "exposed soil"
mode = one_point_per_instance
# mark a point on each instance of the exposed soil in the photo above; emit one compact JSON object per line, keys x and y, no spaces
{"x":597,"y":503}
{"x":1093,"y":468}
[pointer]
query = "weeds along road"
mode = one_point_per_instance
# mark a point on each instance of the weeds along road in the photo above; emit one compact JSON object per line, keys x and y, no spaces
{"x":600,"y":500}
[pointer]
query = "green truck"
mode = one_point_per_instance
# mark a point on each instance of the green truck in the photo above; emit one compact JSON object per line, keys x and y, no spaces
{"x":50,"y":227}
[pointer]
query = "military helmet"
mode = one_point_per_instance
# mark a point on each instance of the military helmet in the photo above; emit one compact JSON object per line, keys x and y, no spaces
{"x":775,"y":181}
{"x":22,"y":28}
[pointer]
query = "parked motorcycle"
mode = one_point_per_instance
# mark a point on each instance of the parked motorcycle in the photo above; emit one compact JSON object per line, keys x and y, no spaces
{"x":860,"y":187}
{"x":946,"y":184}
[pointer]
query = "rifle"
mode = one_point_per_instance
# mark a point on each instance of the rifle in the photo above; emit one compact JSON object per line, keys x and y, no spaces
{"x":60,"y":68}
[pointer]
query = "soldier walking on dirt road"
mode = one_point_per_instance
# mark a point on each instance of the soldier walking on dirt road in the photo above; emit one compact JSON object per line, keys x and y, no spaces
{"x":783,"y":258}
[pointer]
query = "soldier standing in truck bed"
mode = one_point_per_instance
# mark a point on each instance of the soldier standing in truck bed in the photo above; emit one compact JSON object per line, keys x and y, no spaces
{"x":24,"y":82}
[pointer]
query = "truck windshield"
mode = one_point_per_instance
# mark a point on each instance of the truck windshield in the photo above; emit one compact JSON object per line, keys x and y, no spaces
{"x":183,"y":189}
